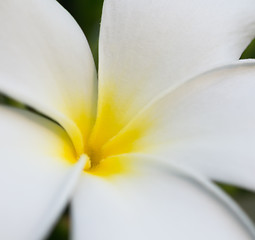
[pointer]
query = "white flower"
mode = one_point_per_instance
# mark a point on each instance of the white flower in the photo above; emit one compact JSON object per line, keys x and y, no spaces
{"x":175,"y":110}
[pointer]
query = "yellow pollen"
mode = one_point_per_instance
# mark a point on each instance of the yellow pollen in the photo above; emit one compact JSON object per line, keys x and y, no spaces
{"x":87,"y":165}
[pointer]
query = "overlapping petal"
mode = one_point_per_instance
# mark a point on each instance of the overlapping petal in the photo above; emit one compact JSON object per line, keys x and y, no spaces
{"x":154,"y":202}
{"x":37,"y":174}
{"x":208,"y":124}
{"x":147,"y":46}
{"x":54,"y":69}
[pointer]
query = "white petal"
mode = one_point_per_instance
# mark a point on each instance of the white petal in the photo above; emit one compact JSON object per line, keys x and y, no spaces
{"x":208,"y":124}
{"x":46,"y":63}
{"x":148,"y":46}
{"x":155,"y":202}
{"x":36,"y":176}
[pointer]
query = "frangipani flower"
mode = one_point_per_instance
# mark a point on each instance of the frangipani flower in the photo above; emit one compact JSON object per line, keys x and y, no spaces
{"x":173,"y":110}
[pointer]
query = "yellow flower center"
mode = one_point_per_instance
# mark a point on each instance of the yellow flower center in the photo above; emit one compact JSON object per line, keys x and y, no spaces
{"x":108,"y":141}
{"x":110,"y":138}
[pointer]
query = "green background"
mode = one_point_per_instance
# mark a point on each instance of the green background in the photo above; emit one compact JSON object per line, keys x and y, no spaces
{"x":88,"y":14}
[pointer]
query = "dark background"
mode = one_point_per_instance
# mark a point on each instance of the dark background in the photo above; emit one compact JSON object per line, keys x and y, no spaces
{"x":88,"y":14}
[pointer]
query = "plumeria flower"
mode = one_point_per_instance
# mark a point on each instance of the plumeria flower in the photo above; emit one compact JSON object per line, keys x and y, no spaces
{"x":135,"y":155}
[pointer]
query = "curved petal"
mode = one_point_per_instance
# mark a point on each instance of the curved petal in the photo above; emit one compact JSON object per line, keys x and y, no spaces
{"x":154,"y":202}
{"x":36,"y":178}
{"x":208,"y":124}
{"x":46,"y":63}
{"x":148,"y":46}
